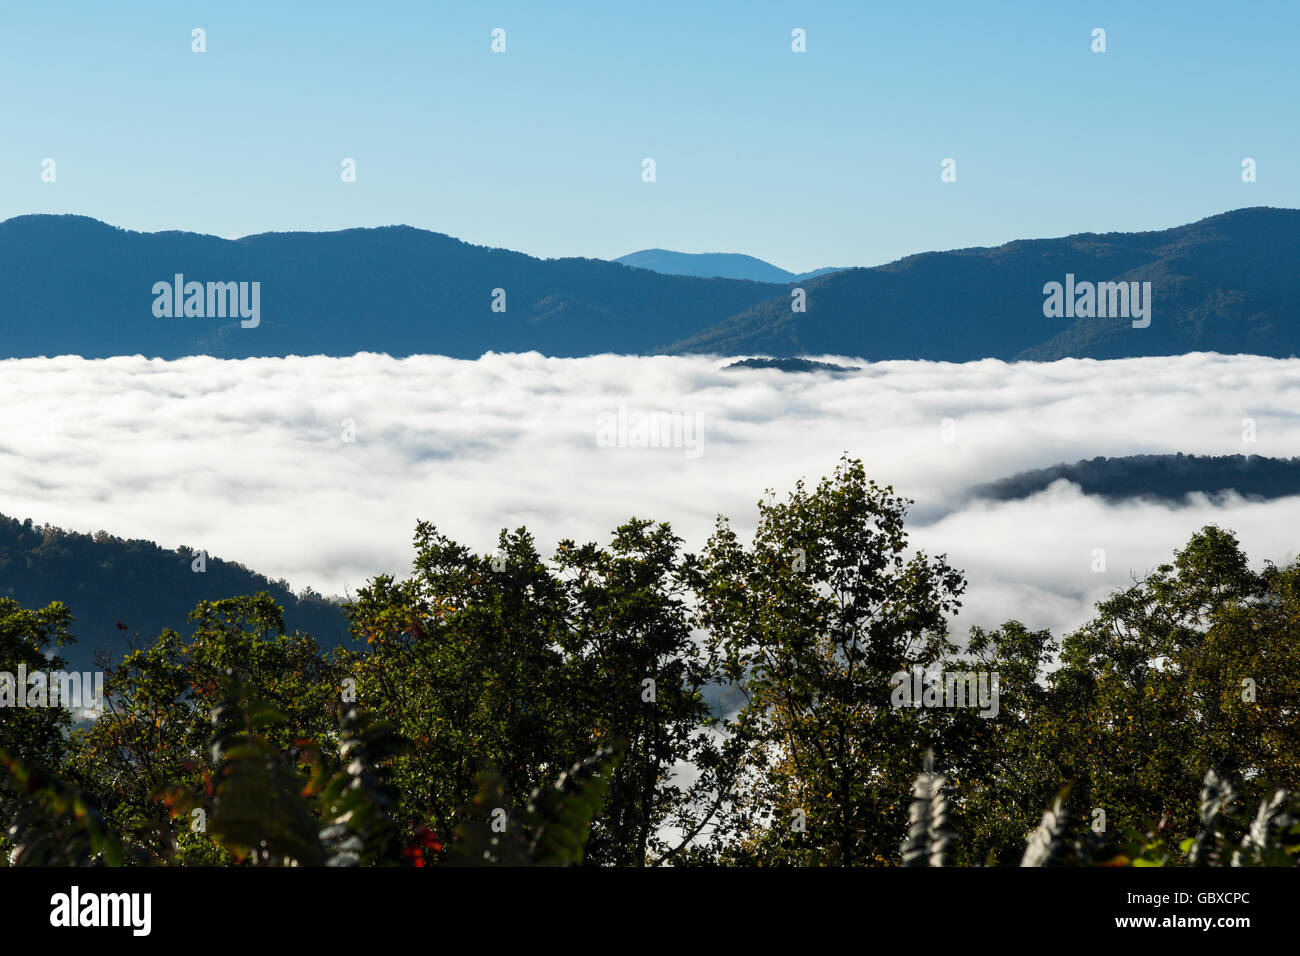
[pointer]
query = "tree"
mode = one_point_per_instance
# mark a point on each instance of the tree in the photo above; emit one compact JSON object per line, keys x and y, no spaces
{"x":1195,"y":667}
{"x":636,"y":673}
{"x":26,"y":636}
{"x":154,"y":729}
{"x":465,"y":655}
{"x":812,"y":621}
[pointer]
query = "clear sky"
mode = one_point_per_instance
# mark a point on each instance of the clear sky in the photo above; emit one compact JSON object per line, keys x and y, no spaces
{"x":825,"y":158}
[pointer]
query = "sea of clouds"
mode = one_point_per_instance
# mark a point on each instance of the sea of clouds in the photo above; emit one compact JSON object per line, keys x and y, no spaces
{"x":253,"y":460}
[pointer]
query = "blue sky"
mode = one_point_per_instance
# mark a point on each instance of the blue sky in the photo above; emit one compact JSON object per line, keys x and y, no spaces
{"x":826,"y":158}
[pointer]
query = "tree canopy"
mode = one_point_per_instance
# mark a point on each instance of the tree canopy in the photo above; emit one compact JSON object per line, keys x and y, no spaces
{"x":635,"y":704}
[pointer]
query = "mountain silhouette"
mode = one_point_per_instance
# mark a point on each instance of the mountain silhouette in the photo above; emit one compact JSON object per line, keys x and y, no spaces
{"x":716,"y":265}
{"x":73,"y":285}
{"x":1225,"y":284}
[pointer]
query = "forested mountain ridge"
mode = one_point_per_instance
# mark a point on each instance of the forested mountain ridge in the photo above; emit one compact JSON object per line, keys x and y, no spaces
{"x":73,"y":285}
{"x":117,"y":588}
{"x":1224,"y":284}
{"x":1164,"y":477}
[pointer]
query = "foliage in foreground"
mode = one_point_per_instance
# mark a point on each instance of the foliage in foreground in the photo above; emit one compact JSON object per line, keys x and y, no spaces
{"x":260,"y":818}
{"x":256,"y":810}
{"x":737,"y":703}
{"x":1272,"y":837}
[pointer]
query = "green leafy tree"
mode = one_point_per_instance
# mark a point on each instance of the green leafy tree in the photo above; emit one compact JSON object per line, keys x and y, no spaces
{"x":635,"y":672}
{"x":154,"y":730}
{"x":1195,"y":666}
{"x":26,"y":637}
{"x":811,"y":622}
{"x":465,"y":656}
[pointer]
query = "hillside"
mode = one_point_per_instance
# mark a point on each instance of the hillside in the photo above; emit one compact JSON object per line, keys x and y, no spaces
{"x":1225,"y":284}
{"x":69,"y":284}
{"x":1162,"y":477}
{"x":74,"y":285}
{"x":107,"y":581}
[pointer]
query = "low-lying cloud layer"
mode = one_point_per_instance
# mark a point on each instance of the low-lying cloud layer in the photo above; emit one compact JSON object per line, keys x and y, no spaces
{"x":252,"y":460}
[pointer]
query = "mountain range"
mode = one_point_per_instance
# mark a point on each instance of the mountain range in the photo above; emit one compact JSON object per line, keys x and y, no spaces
{"x":70,"y":284}
{"x":1224,"y":284}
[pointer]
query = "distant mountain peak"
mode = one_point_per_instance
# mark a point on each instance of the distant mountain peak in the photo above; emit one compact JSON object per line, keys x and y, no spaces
{"x":713,"y":265}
